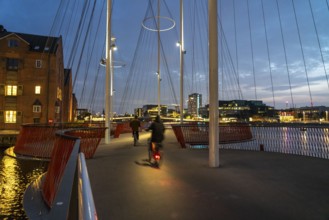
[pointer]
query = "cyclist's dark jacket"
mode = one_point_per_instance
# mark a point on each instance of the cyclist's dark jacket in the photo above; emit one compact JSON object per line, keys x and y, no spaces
{"x":157,"y":131}
{"x":135,"y":124}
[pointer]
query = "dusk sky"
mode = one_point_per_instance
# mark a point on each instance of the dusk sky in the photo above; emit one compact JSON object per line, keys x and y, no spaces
{"x":276,"y":51}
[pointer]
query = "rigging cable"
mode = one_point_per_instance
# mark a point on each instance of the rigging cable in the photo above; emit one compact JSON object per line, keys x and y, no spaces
{"x":302,"y":51}
{"x":221,"y":51}
{"x":268,"y":52}
{"x":92,"y":94}
{"x":93,"y":47}
{"x":319,"y":44}
{"x":285,"y":53}
{"x":236,"y":42}
{"x":252,"y":50}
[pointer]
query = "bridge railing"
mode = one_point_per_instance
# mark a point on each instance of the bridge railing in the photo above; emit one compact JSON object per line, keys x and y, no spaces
{"x":198,"y":134}
{"x":299,"y":139}
{"x":37,"y":140}
{"x":63,"y":192}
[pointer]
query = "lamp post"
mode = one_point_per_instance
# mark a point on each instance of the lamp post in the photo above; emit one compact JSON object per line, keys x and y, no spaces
{"x":159,"y":105}
{"x":108,"y":62}
{"x":181,"y":58}
{"x":108,"y":74}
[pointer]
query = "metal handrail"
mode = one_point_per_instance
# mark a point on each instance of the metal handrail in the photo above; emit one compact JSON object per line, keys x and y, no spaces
{"x":87,"y":209}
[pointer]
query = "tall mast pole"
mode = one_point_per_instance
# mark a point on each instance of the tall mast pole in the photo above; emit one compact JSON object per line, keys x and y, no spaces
{"x":213,"y":85}
{"x":108,"y":74}
{"x":181,"y":56}
{"x":159,"y":76}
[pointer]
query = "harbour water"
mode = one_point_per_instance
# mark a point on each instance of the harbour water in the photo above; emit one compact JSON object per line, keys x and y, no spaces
{"x":15,"y":175}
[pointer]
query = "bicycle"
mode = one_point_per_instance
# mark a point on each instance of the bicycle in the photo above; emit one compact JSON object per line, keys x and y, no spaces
{"x":155,"y":154}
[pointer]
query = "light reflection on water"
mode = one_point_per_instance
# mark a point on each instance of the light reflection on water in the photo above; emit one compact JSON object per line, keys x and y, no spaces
{"x":15,"y":175}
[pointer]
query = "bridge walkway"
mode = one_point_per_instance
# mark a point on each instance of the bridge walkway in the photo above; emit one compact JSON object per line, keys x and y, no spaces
{"x":247,"y":185}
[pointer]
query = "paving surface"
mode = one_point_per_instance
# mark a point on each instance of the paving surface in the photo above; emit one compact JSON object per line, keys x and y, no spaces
{"x":247,"y":185}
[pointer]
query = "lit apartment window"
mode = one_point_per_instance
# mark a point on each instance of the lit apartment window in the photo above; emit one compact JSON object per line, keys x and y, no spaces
{"x":59,"y":93}
{"x":36,"y":108}
{"x":57,"y":109}
{"x":37,"y":89}
{"x":12,"y":43}
{"x":38,"y":63}
{"x":11,"y":90}
{"x":10,"y":116}
{"x":12,"y":64}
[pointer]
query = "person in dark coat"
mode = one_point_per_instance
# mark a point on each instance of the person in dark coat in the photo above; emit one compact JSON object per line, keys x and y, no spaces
{"x":157,"y":136}
{"x":135,"y":125}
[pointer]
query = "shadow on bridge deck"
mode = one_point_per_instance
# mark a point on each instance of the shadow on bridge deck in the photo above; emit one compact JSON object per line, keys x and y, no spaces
{"x":247,"y":185}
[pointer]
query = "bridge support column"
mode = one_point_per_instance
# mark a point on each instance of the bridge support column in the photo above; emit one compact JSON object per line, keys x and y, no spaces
{"x":213,"y":85}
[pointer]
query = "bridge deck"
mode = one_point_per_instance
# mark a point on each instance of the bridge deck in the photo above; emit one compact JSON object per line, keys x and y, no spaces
{"x":247,"y":185}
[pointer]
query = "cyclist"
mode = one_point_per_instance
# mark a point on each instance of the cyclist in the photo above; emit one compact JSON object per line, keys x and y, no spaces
{"x":157,"y":136}
{"x":135,"y":125}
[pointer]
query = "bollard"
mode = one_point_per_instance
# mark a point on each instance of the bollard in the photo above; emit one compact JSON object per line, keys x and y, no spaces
{"x":261,"y":147}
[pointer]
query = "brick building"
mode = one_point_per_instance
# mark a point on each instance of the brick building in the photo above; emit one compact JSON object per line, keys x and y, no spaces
{"x":34,"y":87}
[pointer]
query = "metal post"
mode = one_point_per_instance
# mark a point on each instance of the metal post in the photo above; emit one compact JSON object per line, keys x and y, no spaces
{"x":181,"y":56}
{"x":108,"y":82}
{"x":213,"y":85}
{"x":159,"y":76}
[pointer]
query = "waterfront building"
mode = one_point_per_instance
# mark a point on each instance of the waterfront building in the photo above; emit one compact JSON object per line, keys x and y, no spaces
{"x":138,"y":112}
{"x":243,"y":110}
{"x":152,"y":110}
{"x":194,"y":104}
{"x":34,"y":87}
{"x":308,"y":114}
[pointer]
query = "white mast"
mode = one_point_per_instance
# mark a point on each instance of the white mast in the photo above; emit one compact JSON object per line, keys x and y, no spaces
{"x":213,"y":85}
{"x":108,"y":74}
{"x":159,"y":76}
{"x":181,"y":56}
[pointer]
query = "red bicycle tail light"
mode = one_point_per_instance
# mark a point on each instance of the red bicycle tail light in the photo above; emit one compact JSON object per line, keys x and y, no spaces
{"x":157,"y":156}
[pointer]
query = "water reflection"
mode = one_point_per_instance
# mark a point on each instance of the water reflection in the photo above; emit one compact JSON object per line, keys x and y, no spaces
{"x":15,"y":175}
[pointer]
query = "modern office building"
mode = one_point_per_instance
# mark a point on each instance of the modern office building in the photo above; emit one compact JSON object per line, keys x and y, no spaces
{"x":34,"y":87}
{"x":152,"y":110}
{"x":243,"y":110}
{"x":194,"y":104}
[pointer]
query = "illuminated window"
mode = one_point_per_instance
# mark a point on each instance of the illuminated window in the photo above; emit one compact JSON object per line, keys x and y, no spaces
{"x":57,"y":109}
{"x":11,"y":90}
{"x":36,"y":108}
{"x":59,"y":93}
{"x":37,"y":89}
{"x":38,"y":63}
{"x":10,"y":116}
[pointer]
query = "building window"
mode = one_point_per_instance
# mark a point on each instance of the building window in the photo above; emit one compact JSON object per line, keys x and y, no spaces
{"x":36,"y":120}
{"x":12,"y":43}
{"x":38,"y":63}
{"x":10,"y":116}
{"x":57,"y":109}
{"x":37,"y":90}
{"x":12,"y":64}
{"x":36,"y":108}
{"x":59,"y":93}
{"x":11,"y":90}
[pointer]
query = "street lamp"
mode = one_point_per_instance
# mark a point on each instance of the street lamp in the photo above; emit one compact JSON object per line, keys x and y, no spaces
{"x":159,"y":79}
{"x":110,"y":46}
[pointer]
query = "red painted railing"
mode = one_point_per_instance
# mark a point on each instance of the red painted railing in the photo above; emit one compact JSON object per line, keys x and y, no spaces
{"x":38,"y":140}
{"x":60,"y":155}
{"x":198,"y":134}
